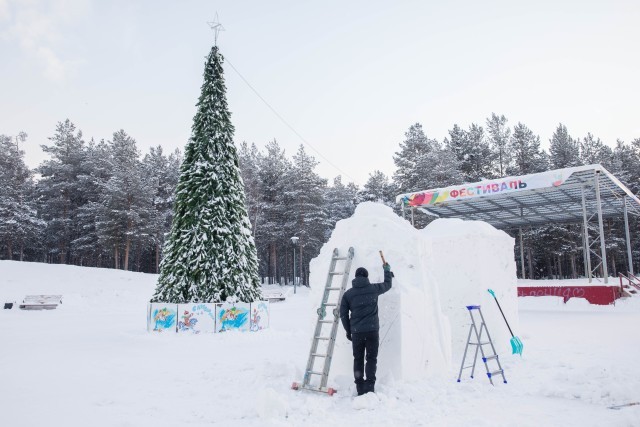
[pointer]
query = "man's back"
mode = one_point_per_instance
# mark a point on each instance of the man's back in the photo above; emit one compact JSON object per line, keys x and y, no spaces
{"x":362,"y":301}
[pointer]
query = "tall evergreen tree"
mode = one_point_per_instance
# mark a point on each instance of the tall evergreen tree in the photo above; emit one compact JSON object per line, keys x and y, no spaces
{"x":378,"y":188}
{"x":593,"y":150}
{"x":408,"y":176}
{"x":472,"y":152}
{"x":60,"y":189}
{"x":528,"y":157}
{"x":126,"y":214}
{"x":340,"y":201}
{"x":564,"y":151}
{"x":210,"y":254}
{"x":19,"y":224}
{"x":499,"y":136}
{"x":307,"y":217}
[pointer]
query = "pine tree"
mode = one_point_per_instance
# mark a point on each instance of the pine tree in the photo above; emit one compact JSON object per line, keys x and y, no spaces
{"x":527,"y":155}
{"x":408,"y":176}
{"x":472,"y":152}
{"x":271,"y":232}
{"x":210,"y":255}
{"x":340,"y":201}
{"x":378,"y":189}
{"x":307,"y":217}
{"x":60,"y":190}
{"x":499,"y":135}
{"x":19,"y":223}
{"x":564,"y":151}
{"x":127,"y":214}
{"x":593,"y":151}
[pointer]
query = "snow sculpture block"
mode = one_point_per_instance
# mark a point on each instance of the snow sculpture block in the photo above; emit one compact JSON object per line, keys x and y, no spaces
{"x":196,"y":318}
{"x":438,"y":271}
{"x":230,"y":316}
{"x":466,"y":259}
{"x":161,"y":317}
{"x":259,"y":315}
{"x":414,"y":334}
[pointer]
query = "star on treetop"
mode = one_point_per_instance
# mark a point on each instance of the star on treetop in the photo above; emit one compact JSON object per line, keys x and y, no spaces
{"x":216,"y":26}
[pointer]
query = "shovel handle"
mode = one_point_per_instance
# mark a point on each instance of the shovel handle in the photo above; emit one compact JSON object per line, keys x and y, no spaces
{"x":382,"y":257}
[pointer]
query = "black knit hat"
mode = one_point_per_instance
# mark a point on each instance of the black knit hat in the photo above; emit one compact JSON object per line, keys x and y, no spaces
{"x":362,"y":272}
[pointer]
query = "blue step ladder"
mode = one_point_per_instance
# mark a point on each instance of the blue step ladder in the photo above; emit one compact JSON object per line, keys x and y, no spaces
{"x":479,"y":343}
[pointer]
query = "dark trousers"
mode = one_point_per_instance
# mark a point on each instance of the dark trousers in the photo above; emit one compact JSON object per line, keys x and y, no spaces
{"x":365,"y":345}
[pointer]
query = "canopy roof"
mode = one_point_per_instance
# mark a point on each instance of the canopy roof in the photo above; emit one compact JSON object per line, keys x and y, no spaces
{"x":529,"y":200}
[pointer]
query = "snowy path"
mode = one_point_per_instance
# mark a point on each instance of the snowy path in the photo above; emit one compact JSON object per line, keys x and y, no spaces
{"x":92,"y":362}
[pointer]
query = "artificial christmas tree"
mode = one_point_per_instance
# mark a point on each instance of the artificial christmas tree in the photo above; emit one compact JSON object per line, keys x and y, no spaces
{"x":210,"y":254}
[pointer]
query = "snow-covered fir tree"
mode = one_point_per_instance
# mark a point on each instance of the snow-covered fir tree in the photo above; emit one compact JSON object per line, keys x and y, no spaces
{"x":527,"y":155}
{"x":60,"y":189}
{"x":340,"y":202}
{"x":593,"y":150}
{"x":19,"y":223}
{"x":378,"y":188}
{"x":126,"y":213}
{"x":564,"y":150}
{"x":499,"y":135}
{"x":408,"y":177}
{"x":210,"y":254}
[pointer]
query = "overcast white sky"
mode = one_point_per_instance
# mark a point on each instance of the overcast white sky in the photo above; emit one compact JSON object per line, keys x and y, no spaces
{"x":350,"y":77}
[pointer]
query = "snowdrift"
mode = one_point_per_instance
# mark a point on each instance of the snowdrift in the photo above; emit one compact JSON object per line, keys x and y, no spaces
{"x":438,"y":271}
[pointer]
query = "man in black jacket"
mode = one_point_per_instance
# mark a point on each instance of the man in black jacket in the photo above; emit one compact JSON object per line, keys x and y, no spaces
{"x":363,"y":324}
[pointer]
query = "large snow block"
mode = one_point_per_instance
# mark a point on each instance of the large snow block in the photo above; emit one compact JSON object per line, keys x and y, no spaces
{"x":161,"y":317}
{"x":414,"y":334}
{"x":465,"y":258}
{"x":232,"y":316}
{"x":196,"y":318}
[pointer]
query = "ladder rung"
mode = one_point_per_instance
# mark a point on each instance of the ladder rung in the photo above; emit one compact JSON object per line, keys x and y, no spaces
{"x":340,"y":258}
{"x":325,"y":321}
{"x":318,"y":355}
{"x":315,"y":373}
{"x":480,"y":343}
{"x":499,"y":371}
{"x":333,"y":289}
{"x":323,"y":338}
{"x":495,"y":356}
{"x":330,"y":304}
{"x":336,"y":273}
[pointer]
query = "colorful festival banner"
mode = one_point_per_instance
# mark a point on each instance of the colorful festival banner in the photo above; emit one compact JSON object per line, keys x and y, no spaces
{"x":232,"y":316}
{"x":162,"y":317}
{"x":485,"y":188}
{"x":196,"y":318}
{"x":259,"y":315}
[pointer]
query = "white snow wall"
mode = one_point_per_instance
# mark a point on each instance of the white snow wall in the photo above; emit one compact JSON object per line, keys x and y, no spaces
{"x":438,"y":271}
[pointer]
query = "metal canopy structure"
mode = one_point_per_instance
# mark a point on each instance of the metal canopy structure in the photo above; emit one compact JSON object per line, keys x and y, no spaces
{"x":563,"y":196}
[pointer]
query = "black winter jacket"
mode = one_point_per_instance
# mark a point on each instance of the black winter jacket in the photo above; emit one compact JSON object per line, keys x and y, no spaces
{"x":362,"y":301}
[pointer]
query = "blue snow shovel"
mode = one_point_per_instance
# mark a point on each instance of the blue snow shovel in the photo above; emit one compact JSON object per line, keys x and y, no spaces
{"x":516,"y":344}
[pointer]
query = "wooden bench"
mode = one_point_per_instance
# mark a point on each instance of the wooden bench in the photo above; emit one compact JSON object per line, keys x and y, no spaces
{"x":273,"y":296}
{"x":40,"y":302}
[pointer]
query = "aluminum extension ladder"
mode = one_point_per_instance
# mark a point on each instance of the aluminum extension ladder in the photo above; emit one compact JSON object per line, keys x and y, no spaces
{"x":477,"y":333}
{"x":328,"y":300}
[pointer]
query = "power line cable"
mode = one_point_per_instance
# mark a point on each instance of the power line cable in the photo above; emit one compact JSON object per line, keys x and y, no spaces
{"x":285,"y":122}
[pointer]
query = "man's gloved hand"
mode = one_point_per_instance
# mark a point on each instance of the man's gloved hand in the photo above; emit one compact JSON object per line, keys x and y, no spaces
{"x":386,"y":266}
{"x":349,"y":336}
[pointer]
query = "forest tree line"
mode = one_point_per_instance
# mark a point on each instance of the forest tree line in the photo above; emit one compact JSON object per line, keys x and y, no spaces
{"x":105,"y":204}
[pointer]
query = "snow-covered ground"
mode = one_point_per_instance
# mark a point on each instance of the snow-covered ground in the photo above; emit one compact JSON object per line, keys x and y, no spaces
{"x":92,"y":362}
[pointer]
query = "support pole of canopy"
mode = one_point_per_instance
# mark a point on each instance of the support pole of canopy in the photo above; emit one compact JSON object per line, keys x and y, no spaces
{"x":626,"y":232}
{"x":603,"y":249}
{"x":524,"y":273}
{"x":412,"y":216}
{"x":585,"y":240}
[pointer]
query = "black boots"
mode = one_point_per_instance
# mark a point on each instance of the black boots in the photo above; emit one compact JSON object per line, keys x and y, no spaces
{"x":366,"y":387}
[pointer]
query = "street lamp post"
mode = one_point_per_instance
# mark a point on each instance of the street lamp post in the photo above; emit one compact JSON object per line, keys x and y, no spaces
{"x":294,"y":240}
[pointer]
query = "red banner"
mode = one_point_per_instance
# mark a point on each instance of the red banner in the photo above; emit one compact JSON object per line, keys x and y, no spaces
{"x":600,"y":295}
